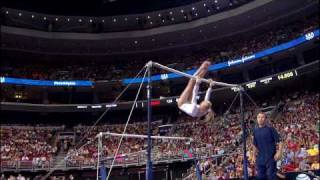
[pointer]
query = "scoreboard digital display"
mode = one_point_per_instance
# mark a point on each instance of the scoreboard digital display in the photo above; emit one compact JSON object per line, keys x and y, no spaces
{"x":268,"y":80}
{"x":251,"y":85}
{"x":287,"y":75}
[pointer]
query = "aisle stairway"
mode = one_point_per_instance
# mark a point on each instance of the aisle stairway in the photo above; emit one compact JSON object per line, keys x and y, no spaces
{"x":58,"y":161}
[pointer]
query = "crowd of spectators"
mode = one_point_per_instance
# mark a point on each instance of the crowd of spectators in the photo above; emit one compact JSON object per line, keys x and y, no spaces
{"x":26,"y":146}
{"x":12,"y":177}
{"x":206,"y":134}
{"x":87,"y":154}
{"x":224,"y":134}
{"x":220,"y":136}
{"x":117,"y":69}
{"x":298,"y":125}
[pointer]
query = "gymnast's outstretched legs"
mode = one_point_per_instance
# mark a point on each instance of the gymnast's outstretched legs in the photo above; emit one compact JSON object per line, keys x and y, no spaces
{"x":186,"y":95}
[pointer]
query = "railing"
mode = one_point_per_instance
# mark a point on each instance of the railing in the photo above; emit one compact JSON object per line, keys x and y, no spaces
{"x":133,"y":159}
{"x":23,"y":127}
{"x":140,"y":159}
{"x":9,"y":165}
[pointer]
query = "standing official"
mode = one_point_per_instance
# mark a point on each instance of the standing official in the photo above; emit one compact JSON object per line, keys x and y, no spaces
{"x":267,"y":149}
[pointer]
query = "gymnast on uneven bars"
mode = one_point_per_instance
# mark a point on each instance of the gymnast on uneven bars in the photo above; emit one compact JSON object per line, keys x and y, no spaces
{"x":187,"y":101}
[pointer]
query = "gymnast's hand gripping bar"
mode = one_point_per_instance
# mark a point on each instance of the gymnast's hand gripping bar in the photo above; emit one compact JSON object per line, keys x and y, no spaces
{"x":154,"y":64}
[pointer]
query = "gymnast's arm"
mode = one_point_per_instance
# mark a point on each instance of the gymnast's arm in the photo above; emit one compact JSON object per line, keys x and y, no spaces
{"x":209,"y":91}
{"x":195,"y":92}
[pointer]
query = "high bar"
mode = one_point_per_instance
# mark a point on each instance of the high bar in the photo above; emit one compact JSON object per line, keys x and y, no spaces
{"x":191,"y":76}
{"x":144,"y":136}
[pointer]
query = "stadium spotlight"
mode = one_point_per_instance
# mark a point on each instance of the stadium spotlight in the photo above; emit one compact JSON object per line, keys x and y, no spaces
{"x":18,"y":96}
{"x":231,"y":2}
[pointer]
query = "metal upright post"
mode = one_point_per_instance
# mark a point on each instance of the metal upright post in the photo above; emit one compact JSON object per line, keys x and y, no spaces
{"x":149,"y":175}
{"x":244,"y":135}
{"x":98,"y":159}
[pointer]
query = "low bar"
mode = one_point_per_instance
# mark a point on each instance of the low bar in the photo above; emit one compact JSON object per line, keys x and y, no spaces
{"x":144,"y":136}
{"x":191,"y":76}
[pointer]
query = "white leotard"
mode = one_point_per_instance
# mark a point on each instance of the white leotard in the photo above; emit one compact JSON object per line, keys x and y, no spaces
{"x":192,"y":108}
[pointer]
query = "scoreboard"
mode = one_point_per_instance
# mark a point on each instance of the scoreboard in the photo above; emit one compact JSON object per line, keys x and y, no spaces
{"x":268,"y":80}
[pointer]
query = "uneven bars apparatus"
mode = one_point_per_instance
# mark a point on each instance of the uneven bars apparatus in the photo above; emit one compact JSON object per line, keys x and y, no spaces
{"x":188,"y":75}
{"x":149,"y":66}
{"x":99,"y":137}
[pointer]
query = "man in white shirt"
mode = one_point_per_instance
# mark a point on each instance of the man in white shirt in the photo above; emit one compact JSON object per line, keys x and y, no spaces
{"x":187,"y":101}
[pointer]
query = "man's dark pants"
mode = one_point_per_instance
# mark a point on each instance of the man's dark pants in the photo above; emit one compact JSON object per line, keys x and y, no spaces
{"x":267,"y":171}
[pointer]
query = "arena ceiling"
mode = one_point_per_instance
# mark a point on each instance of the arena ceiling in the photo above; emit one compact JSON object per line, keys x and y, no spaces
{"x":196,"y":33}
{"x":95,"y":7}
